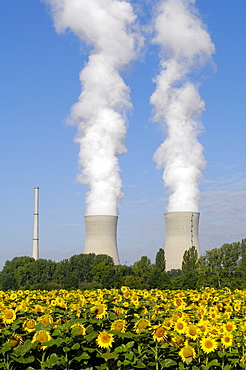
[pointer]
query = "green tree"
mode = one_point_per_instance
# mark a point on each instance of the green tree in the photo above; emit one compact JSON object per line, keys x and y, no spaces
{"x":141,"y":269}
{"x":220,"y":267}
{"x":160,"y":261}
{"x":190,"y":258}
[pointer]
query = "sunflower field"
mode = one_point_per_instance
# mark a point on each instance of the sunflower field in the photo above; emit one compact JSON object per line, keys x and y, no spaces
{"x":123,"y":329}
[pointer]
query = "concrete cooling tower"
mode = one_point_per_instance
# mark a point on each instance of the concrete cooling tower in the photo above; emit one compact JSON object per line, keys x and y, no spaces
{"x":101,"y":236}
{"x":181,"y":234}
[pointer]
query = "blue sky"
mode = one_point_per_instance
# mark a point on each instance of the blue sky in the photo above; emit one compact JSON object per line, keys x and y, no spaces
{"x":39,"y":83}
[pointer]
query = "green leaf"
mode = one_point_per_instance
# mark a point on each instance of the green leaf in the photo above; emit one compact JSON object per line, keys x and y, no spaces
{"x":129,"y":356}
{"x":108,"y":355}
{"x":214,"y":362}
{"x":90,"y":337}
{"x":23,"y":360}
{"x":227,"y":367}
{"x":112,"y":316}
{"x":5,"y":347}
{"x":52,"y":360}
{"x":84,"y":356}
{"x":221,"y":354}
{"x":129,"y":345}
{"x":55,"y":342}
{"x":168,"y":362}
{"x":188,"y":360}
{"x":76,"y":346}
{"x":25,"y":347}
{"x":66,"y":349}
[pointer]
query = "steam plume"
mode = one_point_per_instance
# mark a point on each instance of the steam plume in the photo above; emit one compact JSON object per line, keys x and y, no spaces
{"x":185,"y":44}
{"x":104,"y":100}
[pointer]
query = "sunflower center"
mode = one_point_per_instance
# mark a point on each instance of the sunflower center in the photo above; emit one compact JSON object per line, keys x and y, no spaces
{"x":180,"y":325}
{"x":105,"y":338}
{"x":42,"y":338}
{"x":187,"y":352}
{"x":208,"y":344}
{"x":159,"y":332}
{"x":192,"y":331}
{"x":229,"y":327}
{"x":142,"y":325}
{"x":9,"y":315}
{"x":119,"y":325}
{"x":30,"y":324}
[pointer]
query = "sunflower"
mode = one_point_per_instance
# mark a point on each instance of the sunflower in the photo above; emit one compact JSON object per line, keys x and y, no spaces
{"x":230,"y":326}
{"x":119,"y":325}
{"x":124,"y":289}
{"x":141,"y":325}
{"x":208,"y":344}
{"x":192,"y":331}
{"x":168,"y":323}
{"x":80,"y":329}
{"x":8,"y":316}
{"x":187,"y":353}
{"x":227,"y":340}
{"x":45,"y":320}
{"x":160,"y":333}
{"x":180,"y":326}
{"x":29,"y":325}
{"x":38,"y":308}
{"x":15,"y":340}
{"x":100,"y":310}
{"x":42,"y":336}
{"x":104,"y":339}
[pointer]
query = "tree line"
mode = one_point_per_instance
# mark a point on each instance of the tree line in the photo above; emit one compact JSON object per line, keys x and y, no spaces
{"x":217,"y":268}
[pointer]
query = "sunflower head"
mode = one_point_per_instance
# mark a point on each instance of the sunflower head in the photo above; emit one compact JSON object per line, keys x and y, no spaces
{"x":46,"y":320}
{"x":80,"y":329}
{"x":42,"y":336}
{"x":187,"y":353}
{"x":192,"y":331}
{"x":141,"y":325}
{"x":15,"y":340}
{"x":208,"y":344}
{"x":119,"y":325}
{"x":227,"y":340}
{"x":100,"y":310}
{"x":8,"y":316}
{"x":180,"y":326}
{"x":29,"y":325}
{"x":160,"y":334}
{"x":104,"y":339}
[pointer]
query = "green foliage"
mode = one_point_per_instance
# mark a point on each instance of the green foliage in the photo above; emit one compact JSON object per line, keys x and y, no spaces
{"x":218,"y":268}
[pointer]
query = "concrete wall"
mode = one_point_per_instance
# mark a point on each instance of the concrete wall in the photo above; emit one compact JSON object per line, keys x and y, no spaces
{"x":101,"y":236}
{"x":181,"y":234}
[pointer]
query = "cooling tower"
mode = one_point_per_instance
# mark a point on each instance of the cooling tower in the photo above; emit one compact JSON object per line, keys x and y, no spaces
{"x":35,"y":246}
{"x":181,"y":234}
{"x":101,"y":236}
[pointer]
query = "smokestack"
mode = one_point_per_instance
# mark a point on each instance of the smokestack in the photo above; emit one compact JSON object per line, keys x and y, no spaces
{"x":181,"y":234}
{"x":101,"y":236}
{"x":35,"y":247}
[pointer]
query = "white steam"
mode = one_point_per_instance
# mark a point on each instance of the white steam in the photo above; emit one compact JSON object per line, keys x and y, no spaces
{"x":185,"y":44}
{"x":104,"y":100}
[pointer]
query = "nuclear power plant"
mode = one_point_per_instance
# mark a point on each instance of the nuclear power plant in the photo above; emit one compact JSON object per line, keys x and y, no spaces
{"x":101,"y":236}
{"x":35,"y":244}
{"x":181,"y":234}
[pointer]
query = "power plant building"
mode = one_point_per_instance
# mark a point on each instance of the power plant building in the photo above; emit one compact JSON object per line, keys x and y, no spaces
{"x":101,"y":236}
{"x":181,"y":234}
